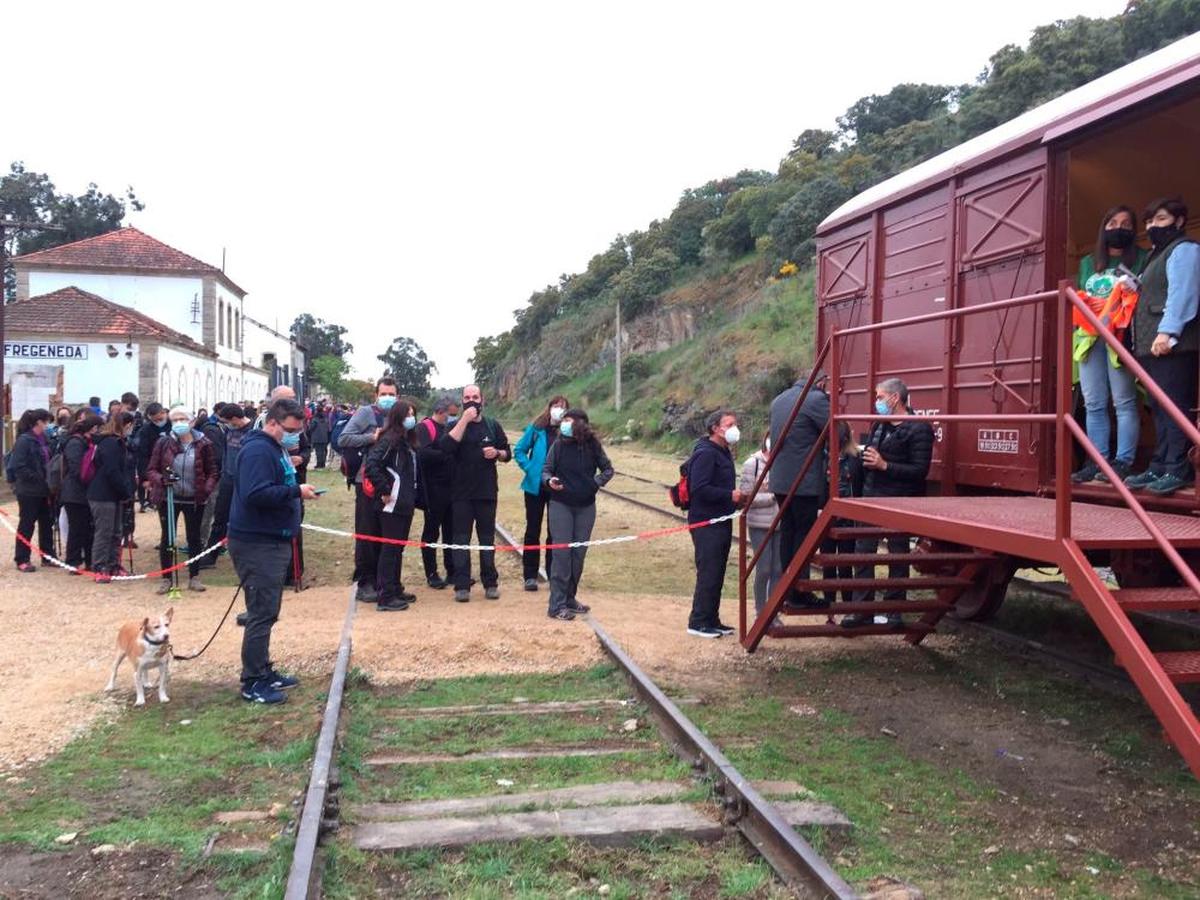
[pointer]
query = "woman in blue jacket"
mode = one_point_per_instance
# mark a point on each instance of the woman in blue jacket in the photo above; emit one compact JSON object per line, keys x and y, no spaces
{"x":530,"y":455}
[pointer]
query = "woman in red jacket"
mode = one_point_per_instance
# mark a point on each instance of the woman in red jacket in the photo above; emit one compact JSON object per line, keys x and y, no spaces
{"x":182,"y":461}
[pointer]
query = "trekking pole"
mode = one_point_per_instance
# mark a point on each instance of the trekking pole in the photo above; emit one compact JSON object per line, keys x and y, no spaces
{"x":129,"y":540}
{"x":173,"y":593}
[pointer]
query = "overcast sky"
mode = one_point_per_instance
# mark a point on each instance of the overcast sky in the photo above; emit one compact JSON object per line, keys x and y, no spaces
{"x":420,"y":169}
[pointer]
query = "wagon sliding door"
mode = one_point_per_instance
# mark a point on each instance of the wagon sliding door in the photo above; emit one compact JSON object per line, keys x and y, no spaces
{"x":1000,"y":242}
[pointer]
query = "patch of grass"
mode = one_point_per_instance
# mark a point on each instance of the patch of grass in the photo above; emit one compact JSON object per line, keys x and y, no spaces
{"x":597,"y":682}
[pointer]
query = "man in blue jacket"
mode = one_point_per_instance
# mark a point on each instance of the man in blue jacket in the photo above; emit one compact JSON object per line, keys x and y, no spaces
{"x":263,"y":519}
{"x":713,"y":492}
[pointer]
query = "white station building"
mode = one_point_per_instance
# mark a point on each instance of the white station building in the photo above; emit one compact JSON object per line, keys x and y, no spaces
{"x":126,"y":312}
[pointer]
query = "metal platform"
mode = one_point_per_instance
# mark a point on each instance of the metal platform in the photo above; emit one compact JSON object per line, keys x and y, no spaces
{"x":1023,"y":526}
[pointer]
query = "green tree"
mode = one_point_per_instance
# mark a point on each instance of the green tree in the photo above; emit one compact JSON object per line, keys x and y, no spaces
{"x":879,"y":113}
{"x":405,"y":361}
{"x":32,"y":196}
{"x":321,"y":338}
{"x":330,"y":373}
{"x":489,"y":355}
{"x":794,"y":228}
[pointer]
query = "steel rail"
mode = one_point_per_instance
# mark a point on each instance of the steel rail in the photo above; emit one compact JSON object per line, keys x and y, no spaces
{"x":643,"y":504}
{"x":792,"y":857}
{"x":303,"y":876}
{"x":644,"y":480}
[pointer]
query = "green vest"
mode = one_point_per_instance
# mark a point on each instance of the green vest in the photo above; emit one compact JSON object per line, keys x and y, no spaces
{"x":1153,"y":301}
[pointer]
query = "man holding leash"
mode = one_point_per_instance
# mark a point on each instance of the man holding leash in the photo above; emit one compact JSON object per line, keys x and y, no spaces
{"x":263,"y":519}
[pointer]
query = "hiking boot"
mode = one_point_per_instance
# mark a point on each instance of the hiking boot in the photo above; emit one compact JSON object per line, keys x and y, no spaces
{"x":280,"y":681}
{"x":1167,"y":484}
{"x":437,"y":582}
{"x":164,"y":588}
{"x":261,"y":691}
{"x":366,"y":594}
{"x":463,"y":596}
{"x":575,"y":606}
{"x":1145,"y":479}
{"x":492,"y":593}
{"x":704,"y":632}
{"x":1121,"y":469}
{"x":724,"y":629}
{"x":195,"y":584}
{"x":564,"y":614}
{"x":1088,"y":473}
{"x":857,"y":620}
{"x":240,"y":619}
{"x":531,"y":584}
{"x":390,"y":604}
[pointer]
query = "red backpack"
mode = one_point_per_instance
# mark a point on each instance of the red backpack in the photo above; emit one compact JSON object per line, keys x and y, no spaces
{"x":680,"y":493}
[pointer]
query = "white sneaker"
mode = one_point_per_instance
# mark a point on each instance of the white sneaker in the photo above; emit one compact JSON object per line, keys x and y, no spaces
{"x":703,"y":632}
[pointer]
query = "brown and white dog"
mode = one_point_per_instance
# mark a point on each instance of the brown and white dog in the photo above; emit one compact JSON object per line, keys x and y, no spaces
{"x":148,"y":647}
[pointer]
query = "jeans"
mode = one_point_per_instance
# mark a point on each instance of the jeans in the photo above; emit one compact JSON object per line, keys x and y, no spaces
{"x":1099,"y":380}
{"x":1175,"y":373}
{"x":766,"y":570}
{"x":192,"y":517}
{"x":569,"y":523}
{"x":34,"y":511}
{"x":106,"y":535}
{"x":711,"y":545}
{"x":798,"y":520}
{"x":261,"y":567}
{"x":535,"y":508}
{"x":439,"y":524}
{"x":480,"y":514}
{"x":391,"y":556}
{"x":79,"y":535}
{"x":366,"y":553}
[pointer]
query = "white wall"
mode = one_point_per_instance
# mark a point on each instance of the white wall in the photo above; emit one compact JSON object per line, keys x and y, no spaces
{"x":259,"y":342}
{"x":185,"y":378}
{"x":98,"y":375}
{"x":229,"y":324}
{"x":165,"y":298}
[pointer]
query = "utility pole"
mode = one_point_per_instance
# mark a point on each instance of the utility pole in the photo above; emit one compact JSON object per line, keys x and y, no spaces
{"x":617,"y":394}
{"x":5,"y":226}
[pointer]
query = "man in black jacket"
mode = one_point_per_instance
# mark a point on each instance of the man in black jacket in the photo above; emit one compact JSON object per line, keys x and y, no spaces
{"x":713,"y":491}
{"x":896,"y":461}
{"x":437,"y":474}
{"x":155,"y":424}
{"x":801,"y":513}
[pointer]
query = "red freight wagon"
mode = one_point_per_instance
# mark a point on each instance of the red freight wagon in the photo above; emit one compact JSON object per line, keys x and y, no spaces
{"x":955,"y":276}
{"x":1006,"y":214}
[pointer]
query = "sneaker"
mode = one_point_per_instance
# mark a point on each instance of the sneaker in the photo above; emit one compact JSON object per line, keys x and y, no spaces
{"x":391,"y":604}
{"x":103,"y":578}
{"x":209,"y":562}
{"x":565,"y":614}
{"x":407,"y":596}
{"x":895,"y":620}
{"x":280,"y":681}
{"x":261,"y":691}
{"x":366,"y":594}
{"x":437,"y":582}
{"x":462,"y":596}
{"x":575,"y":606}
{"x":1167,"y":484}
{"x":1088,"y":473}
{"x":26,"y":567}
{"x":492,"y":593}
{"x":724,"y":629}
{"x":164,"y":588}
{"x":1122,"y":470}
{"x":857,"y":620}
{"x":195,"y":584}
{"x":710,"y":633}
{"x":531,"y":584}
{"x":1137,"y":482}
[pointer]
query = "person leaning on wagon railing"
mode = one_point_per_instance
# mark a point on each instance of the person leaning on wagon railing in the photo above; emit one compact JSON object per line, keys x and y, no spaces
{"x":896,"y":461}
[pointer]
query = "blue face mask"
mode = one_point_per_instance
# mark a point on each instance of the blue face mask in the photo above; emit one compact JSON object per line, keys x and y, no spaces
{"x":566,"y":428}
{"x":882,"y":408}
{"x":386,"y":402}
{"x":410,"y":422}
{"x":291,"y":441}
{"x":450,"y":420}
{"x":179,"y":429}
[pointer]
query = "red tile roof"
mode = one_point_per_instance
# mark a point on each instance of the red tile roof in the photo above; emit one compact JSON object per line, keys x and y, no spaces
{"x":127,"y":249}
{"x":73,"y":311}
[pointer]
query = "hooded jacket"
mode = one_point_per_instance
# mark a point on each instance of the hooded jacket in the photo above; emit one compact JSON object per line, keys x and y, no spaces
{"x":29,"y":464}
{"x":163,"y":457}
{"x":400,"y":458}
{"x":266,"y":496}
{"x":113,"y":481}
{"x":582,"y":468}
{"x":711,"y":480}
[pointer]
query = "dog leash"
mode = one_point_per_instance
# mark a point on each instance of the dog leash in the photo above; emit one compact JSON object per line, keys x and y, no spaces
{"x":220,"y":624}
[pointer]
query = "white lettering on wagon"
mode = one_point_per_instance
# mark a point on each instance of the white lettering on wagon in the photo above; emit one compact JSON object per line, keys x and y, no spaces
{"x":993,"y":440}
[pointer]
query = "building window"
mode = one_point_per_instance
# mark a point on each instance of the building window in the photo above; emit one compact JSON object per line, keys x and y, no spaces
{"x":197,"y":397}
{"x":164,"y":387}
{"x":220,"y":322}
{"x":182,"y":387}
{"x":208,"y":391}
{"x":229,"y":326}
{"x":237,"y":330}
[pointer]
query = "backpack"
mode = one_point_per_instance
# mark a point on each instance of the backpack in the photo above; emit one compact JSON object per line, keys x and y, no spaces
{"x":10,"y":474}
{"x":336,"y":434}
{"x":56,"y":472}
{"x":352,"y":457}
{"x":87,"y":465}
{"x":680,"y":493}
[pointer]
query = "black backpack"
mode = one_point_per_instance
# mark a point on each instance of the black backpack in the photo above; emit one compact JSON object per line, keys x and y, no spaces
{"x":352,"y":457}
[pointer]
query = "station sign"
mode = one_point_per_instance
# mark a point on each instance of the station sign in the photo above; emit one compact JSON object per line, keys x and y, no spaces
{"x":994,"y":440}
{"x":42,"y":350}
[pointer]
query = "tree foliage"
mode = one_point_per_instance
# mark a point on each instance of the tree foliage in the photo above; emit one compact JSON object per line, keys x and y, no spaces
{"x":330,"y":373}
{"x":321,"y":339}
{"x":32,"y":197}
{"x":406,"y":362}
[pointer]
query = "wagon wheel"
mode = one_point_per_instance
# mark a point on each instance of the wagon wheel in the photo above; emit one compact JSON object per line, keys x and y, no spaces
{"x":981,"y":600}
{"x":1148,"y":568}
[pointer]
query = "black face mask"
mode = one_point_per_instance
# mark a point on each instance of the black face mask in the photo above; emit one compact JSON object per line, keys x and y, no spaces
{"x":1118,"y":238}
{"x":472,"y":404}
{"x":1161,"y":235}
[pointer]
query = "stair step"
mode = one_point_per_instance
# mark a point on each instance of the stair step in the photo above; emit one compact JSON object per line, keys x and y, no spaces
{"x":864,"y":531}
{"x":882,"y":607}
{"x":1157,"y":599}
{"x":1181,"y":666}
{"x":837,"y":631}
{"x":851,"y":584}
{"x":881,"y":559}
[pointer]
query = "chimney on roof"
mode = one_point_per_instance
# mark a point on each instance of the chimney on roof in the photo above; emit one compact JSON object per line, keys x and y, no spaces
{"x":222,"y":259}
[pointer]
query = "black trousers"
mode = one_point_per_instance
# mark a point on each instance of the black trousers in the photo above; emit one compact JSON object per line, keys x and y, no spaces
{"x":1176,"y":374}
{"x":895,"y":544}
{"x":220,"y":522}
{"x":480,"y":515}
{"x":832,"y":547}
{"x":439,"y":526}
{"x":535,"y":511}
{"x":260,"y":567}
{"x":366,"y":553}
{"x":33,"y":511}
{"x":798,"y":520}
{"x":322,"y":451}
{"x":391,"y":556}
{"x":193,"y":515}
{"x":79,"y":535}
{"x":711,"y":545}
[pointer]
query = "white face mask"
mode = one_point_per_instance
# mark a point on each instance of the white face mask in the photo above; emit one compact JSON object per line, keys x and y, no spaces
{"x":556,"y":414}
{"x":733,"y":434}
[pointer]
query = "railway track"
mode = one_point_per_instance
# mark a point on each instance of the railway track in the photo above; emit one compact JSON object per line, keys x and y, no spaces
{"x":734,"y":801}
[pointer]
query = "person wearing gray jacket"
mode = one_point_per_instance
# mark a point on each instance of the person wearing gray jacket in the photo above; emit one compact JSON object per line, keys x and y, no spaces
{"x":759,"y":515}
{"x":793,"y":449}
